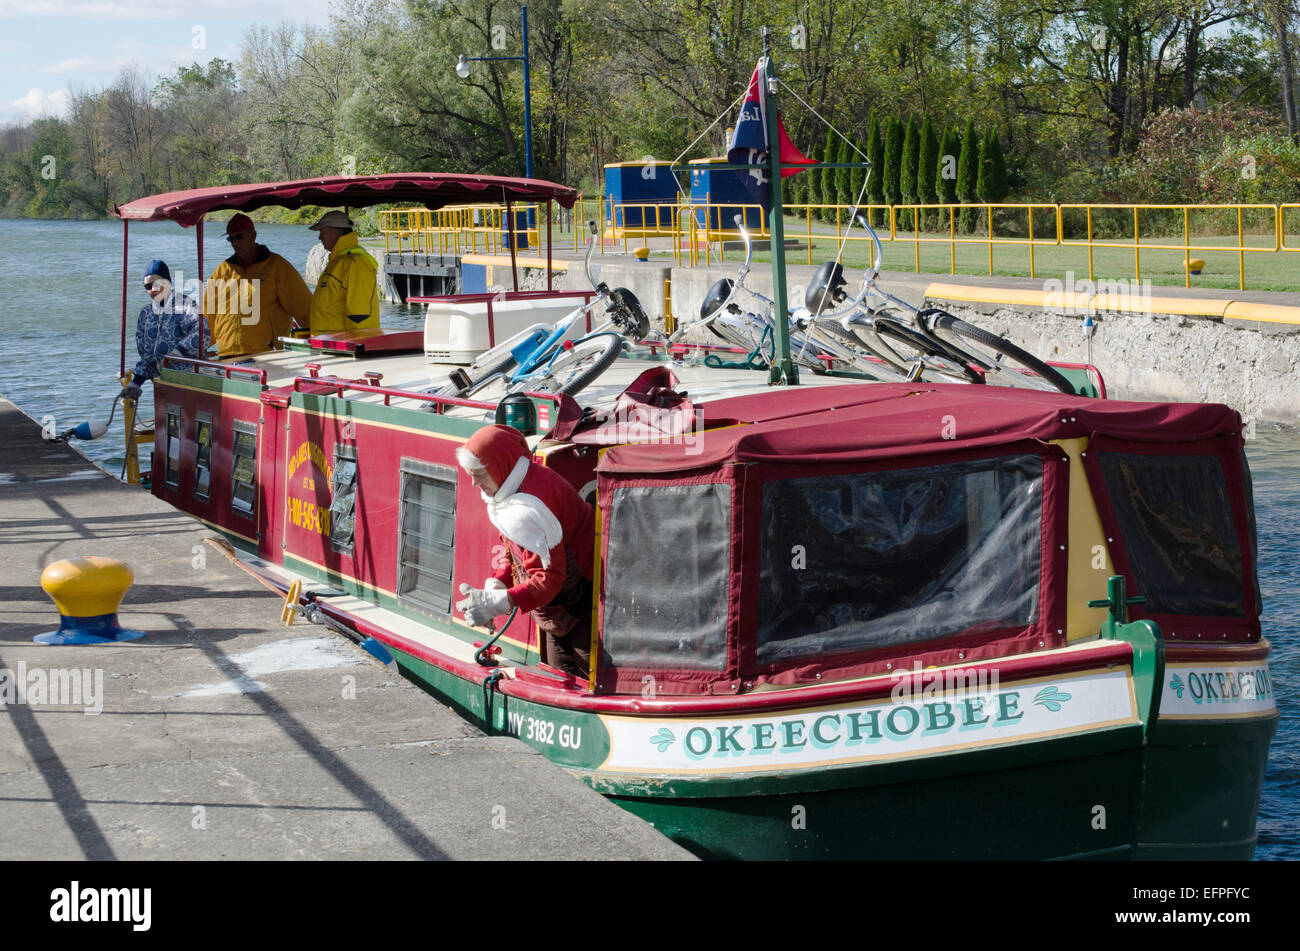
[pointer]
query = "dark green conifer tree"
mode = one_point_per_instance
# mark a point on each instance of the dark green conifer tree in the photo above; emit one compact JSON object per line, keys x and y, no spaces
{"x":927,"y":169}
{"x":907,"y":172}
{"x":967,"y":175}
{"x":893,"y":160}
{"x":876,"y":156}
{"x":945,"y":180}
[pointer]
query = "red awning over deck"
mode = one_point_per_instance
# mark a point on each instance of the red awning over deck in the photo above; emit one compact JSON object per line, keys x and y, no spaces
{"x":430,"y":189}
{"x":854,"y":422}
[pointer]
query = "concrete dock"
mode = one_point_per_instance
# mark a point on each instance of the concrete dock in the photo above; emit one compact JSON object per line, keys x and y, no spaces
{"x":223,"y":735}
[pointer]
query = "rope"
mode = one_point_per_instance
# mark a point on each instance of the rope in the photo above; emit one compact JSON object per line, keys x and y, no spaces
{"x":839,"y":252}
{"x":740,"y":98}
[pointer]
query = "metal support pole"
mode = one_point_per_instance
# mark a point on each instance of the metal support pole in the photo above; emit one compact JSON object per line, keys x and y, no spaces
{"x":783,"y":369}
{"x":205,"y":334}
{"x":125,"y":230}
{"x":528,"y":103}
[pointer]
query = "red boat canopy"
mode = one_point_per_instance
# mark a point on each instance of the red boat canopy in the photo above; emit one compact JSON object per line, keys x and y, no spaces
{"x":431,"y":189}
{"x":855,"y":422}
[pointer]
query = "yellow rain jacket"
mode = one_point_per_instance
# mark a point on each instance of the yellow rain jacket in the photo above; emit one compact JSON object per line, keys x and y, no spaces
{"x":249,"y":308}
{"x":347,"y":294}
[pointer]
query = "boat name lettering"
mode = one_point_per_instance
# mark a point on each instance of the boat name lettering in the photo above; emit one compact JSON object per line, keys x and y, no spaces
{"x":830,"y":730}
{"x":544,"y":732}
{"x":1229,"y":685}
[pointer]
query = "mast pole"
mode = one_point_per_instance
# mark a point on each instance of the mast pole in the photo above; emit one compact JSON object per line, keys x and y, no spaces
{"x":783,"y":371}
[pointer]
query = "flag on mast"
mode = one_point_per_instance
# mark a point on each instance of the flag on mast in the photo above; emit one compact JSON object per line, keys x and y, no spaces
{"x":749,"y":145}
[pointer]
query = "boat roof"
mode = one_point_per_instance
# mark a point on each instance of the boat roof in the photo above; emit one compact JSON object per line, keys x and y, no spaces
{"x":430,"y":189}
{"x":855,"y":421}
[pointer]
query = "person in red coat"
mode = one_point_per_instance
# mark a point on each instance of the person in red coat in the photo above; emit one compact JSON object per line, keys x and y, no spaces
{"x":544,"y":564}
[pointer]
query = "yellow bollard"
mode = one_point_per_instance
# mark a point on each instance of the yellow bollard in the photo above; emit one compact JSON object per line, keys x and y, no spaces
{"x":641,"y":253}
{"x":87,"y":592}
{"x":1195,"y":266}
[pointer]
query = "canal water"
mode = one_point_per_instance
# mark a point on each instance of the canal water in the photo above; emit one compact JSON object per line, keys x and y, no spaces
{"x":60,"y":333}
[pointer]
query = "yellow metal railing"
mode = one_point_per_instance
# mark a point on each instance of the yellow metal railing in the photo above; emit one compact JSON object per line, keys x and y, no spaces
{"x":1137,"y":245}
{"x":1046,"y":226}
{"x":697,"y":233}
{"x":456,"y":229}
{"x":1281,"y":226}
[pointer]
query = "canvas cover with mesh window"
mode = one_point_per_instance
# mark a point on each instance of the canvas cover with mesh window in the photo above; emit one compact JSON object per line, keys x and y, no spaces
{"x":849,"y":530}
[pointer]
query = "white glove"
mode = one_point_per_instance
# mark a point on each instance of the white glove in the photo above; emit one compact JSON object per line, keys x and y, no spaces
{"x":481,"y":605}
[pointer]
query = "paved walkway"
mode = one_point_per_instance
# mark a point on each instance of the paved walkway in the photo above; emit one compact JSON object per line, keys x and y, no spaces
{"x":225,"y":736}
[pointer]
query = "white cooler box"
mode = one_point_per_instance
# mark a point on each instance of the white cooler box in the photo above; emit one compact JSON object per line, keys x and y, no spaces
{"x":457,"y":331}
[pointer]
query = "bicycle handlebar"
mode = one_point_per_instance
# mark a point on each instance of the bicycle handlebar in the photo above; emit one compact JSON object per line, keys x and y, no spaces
{"x":586,"y":261}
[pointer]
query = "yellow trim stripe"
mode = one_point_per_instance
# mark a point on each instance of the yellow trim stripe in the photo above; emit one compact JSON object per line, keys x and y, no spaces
{"x":358,"y":421}
{"x":1222,"y":308}
{"x":223,"y":529}
{"x":503,"y":260}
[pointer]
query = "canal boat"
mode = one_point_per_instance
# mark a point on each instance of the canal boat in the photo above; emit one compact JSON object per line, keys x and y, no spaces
{"x":898,"y":620}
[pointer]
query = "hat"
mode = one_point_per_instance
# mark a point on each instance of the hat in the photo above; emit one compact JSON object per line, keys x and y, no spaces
{"x":333,"y":219}
{"x":157,"y":267}
{"x":494,"y":448}
{"x":240,"y":222}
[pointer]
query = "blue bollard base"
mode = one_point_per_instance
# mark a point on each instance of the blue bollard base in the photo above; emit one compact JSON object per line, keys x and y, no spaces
{"x":100,"y":629}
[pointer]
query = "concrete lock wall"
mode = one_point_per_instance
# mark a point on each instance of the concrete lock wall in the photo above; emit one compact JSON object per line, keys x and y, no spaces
{"x":1253,"y":366}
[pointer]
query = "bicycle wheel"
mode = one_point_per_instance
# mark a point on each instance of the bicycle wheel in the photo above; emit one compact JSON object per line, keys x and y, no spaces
{"x":935,"y":358}
{"x":574,"y":369}
{"x":1047,"y":378}
{"x":849,"y":348}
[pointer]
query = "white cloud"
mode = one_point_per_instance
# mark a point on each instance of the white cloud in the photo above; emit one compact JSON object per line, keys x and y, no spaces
{"x":36,"y":103}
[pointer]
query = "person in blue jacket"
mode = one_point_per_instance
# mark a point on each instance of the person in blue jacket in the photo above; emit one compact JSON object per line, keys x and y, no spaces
{"x":169,"y":323}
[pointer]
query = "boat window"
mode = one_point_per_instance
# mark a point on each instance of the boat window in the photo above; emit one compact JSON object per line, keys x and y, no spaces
{"x":343,"y":498}
{"x":1249,"y":486}
{"x":203,"y":459}
{"x":1175,"y":516}
{"x":428,"y":532}
{"x":666,"y":599}
{"x":243,"y":474}
{"x":173,"y":447}
{"x":880,"y":559}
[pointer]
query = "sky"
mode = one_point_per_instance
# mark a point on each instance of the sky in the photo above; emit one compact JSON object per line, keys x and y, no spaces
{"x":51,"y":47}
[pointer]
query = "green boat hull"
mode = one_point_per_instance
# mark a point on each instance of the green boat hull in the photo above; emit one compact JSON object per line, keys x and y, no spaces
{"x":1108,"y":794}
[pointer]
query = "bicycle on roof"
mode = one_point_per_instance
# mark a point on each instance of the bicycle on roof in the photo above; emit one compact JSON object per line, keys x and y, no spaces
{"x":543,"y":358}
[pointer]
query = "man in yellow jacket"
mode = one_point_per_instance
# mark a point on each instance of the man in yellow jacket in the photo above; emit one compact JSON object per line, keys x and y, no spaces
{"x":254,"y":297}
{"x":347,"y":294}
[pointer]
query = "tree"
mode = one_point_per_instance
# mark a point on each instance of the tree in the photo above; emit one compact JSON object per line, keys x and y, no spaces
{"x":875,"y":155}
{"x":893,"y":162}
{"x":844,"y":193}
{"x":134,"y":131}
{"x":967,"y":175}
{"x":203,"y":144}
{"x":907,"y":170}
{"x":927,"y":166}
{"x":992,"y":183}
{"x":945,"y":180}
{"x":826,"y":190}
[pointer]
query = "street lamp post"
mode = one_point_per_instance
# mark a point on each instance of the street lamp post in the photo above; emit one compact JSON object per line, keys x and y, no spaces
{"x":462,"y":70}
